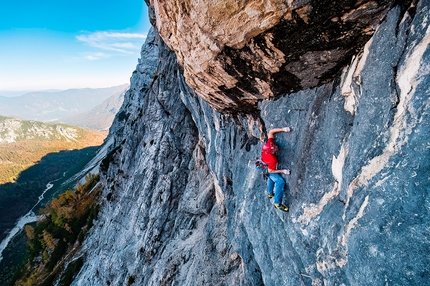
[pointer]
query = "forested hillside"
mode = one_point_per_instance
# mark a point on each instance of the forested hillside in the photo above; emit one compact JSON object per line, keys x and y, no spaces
{"x":32,"y":155}
{"x":58,"y":233}
{"x":23,"y":143}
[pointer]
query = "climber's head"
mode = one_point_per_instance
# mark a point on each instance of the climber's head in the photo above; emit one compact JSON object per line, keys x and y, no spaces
{"x":269,"y":148}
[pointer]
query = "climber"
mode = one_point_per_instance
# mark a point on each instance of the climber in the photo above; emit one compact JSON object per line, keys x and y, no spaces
{"x":275,"y":180}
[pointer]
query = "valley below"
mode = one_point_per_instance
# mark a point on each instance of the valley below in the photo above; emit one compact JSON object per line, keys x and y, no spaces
{"x":38,"y":161}
{"x":41,"y":160}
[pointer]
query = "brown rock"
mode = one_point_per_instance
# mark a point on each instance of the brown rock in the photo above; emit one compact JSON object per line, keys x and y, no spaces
{"x":235,"y":53}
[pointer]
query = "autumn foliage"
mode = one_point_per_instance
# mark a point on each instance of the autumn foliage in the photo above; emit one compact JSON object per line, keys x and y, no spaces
{"x":60,"y":230}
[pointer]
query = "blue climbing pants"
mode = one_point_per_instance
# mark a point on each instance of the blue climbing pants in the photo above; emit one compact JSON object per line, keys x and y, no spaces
{"x":278,"y":183}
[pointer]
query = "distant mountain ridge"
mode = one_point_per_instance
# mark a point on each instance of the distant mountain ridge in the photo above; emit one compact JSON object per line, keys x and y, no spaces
{"x":100,"y":117}
{"x":51,"y":106}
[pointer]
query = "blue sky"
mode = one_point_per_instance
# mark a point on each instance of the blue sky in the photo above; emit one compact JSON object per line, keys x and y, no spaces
{"x":62,"y":44}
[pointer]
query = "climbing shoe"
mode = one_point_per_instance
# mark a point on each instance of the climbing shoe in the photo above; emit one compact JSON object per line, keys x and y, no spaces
{"x":269,"y":196}
{"x":281,"y":207}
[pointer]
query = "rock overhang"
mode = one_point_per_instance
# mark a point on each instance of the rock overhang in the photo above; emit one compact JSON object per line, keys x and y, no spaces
{"x":237,"y":53}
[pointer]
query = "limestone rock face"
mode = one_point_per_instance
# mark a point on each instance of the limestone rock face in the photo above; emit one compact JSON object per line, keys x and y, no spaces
{"x":183,"y":204}
{"x":236,"y":53}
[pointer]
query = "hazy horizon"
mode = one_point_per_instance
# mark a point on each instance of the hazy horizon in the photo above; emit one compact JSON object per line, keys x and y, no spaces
{"x":51,"y":45}
{"x":16,"y":93}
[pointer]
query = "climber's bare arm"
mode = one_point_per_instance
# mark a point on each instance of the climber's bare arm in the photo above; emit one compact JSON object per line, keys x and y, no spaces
{"x":272,"y":132}
{"x":284,"y":171}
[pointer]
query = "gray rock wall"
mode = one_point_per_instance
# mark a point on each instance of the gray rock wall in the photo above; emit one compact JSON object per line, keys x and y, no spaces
{"x":183,"y":204}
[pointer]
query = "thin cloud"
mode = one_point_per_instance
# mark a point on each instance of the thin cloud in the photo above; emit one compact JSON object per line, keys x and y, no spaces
{"x":123,"y":43}
{"x":96,"y":56}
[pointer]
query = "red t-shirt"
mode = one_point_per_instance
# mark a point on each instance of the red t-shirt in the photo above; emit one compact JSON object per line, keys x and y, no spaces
{"x":270,"y":159}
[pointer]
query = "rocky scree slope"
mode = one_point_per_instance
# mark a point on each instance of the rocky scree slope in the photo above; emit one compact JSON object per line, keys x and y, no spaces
{"x":183,"y":204}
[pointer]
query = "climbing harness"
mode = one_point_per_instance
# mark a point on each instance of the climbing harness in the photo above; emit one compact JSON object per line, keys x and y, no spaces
{"x":261,"y":166}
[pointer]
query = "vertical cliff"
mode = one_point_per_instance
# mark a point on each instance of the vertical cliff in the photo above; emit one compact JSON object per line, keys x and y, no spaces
{"x":183,"y":205}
